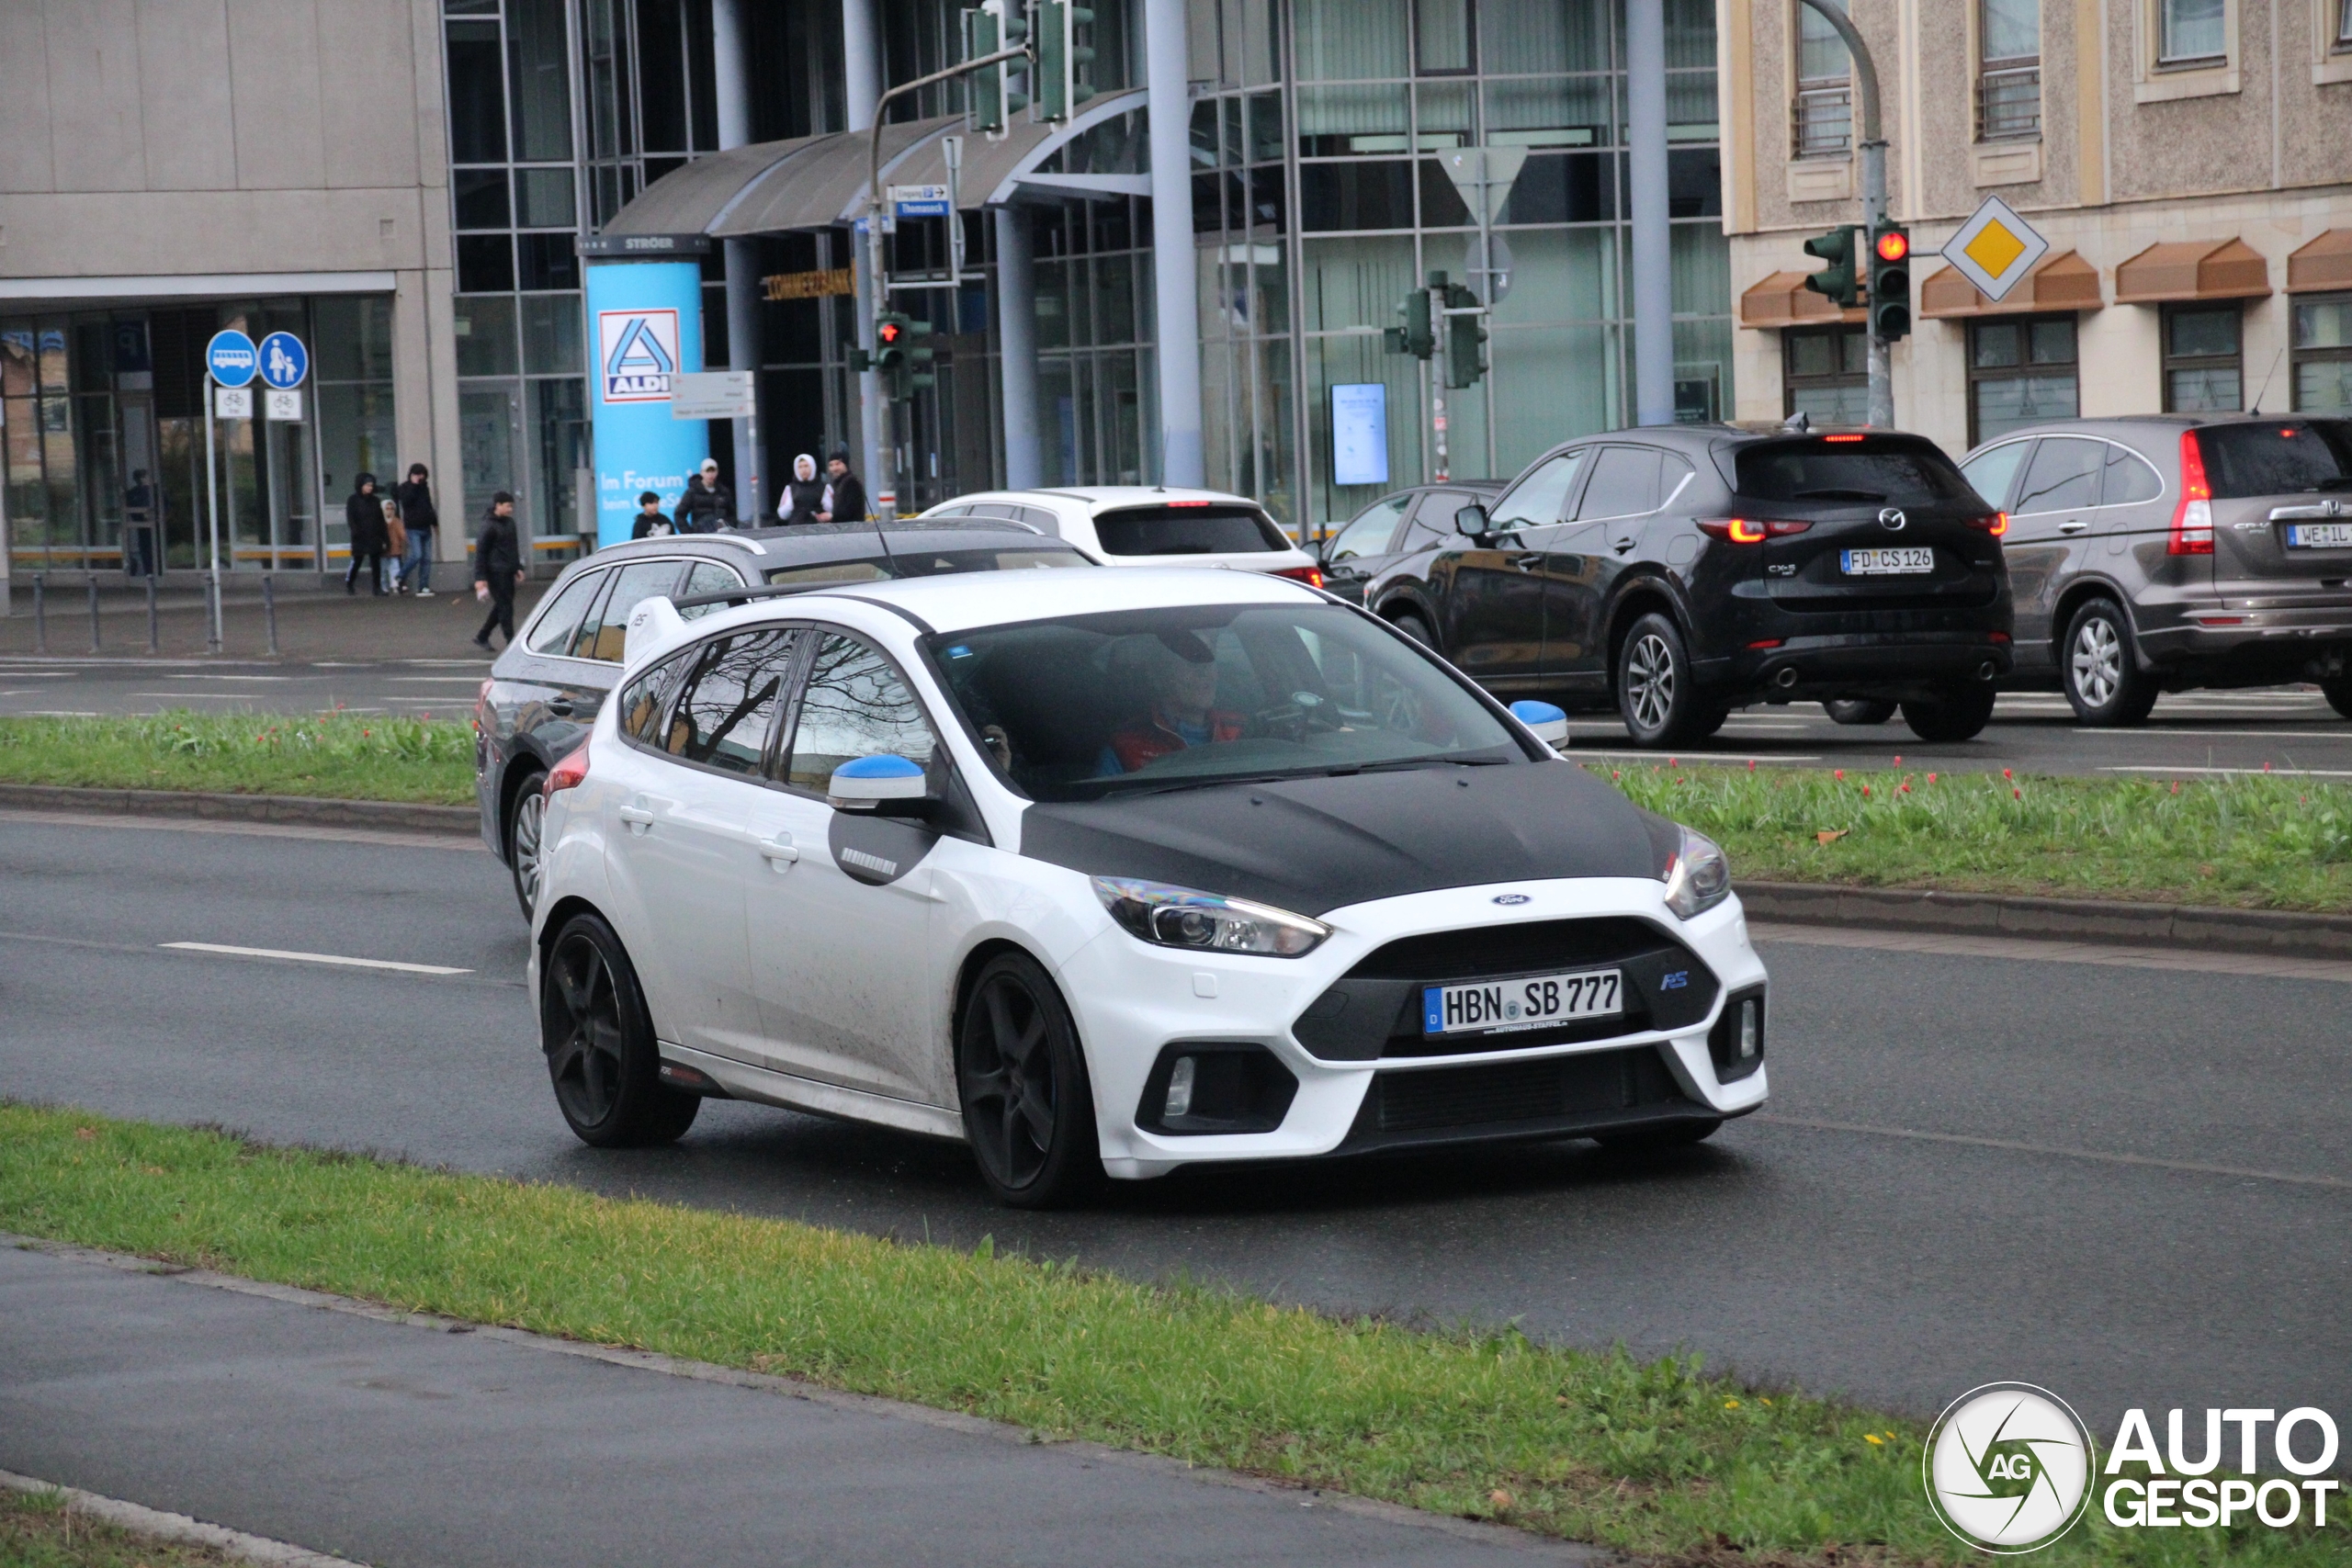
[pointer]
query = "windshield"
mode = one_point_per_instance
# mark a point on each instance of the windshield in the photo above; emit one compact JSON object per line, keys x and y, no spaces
{"x":1088,"y":706}
{"x":1186,"y":528}
{"x":1879,"y":470}
{"x":2277,"y":460}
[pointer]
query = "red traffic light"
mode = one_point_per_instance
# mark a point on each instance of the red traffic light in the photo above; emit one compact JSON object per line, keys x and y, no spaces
{"x":1893,"y":246}
{"x":888,"y":333}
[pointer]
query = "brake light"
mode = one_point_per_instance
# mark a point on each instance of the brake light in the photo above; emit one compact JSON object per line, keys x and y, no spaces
{"x":1767,"y":642}
{"x":1310,"y":575}
{"x":1186,"y":503}
{"x":569,"y":772}
{"x":1996,"y":637}
{"x":2192,"y":520}
{"x":1751,"y":531}
{"x":1841,"y":438}
{"x":1995,"y":524}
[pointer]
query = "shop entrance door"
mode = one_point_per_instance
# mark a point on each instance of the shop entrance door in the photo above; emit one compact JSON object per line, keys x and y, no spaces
{"x":490,"y":435}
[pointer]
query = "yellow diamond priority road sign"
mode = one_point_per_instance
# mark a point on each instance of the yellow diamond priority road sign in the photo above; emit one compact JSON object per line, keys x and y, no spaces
{"x":1995,"y":249}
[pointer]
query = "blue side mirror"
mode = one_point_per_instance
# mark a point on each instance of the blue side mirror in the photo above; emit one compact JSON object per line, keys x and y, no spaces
{"x":888,"y":783}
{"x":1549,"y":723}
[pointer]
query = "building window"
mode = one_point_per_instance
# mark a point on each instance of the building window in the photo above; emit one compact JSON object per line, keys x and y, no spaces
{"x":2343,"y":26}
{"x":1826,"y":374}
{"x":1823,"y":112}
{"x":2203,"y":373}
{"x":2009,"y":81}
{"x":2323,"y":350}
{"x":2191,"y":32}
{"x":2020,"y":373}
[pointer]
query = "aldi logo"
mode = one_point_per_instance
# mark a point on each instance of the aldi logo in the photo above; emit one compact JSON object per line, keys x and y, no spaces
{"x":637,"y":353}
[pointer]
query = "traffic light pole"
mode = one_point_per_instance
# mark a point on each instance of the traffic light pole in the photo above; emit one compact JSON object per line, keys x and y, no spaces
{"x":1873,"y":150}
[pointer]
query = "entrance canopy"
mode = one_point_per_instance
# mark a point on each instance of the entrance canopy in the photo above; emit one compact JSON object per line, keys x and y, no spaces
{"x":818,"y":182}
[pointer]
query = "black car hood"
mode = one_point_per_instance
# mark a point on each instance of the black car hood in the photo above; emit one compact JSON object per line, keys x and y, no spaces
{"x":1322,"y":843}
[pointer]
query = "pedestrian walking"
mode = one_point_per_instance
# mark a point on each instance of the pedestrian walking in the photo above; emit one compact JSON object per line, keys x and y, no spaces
{"x":653,"y":522}
{"x":363,"y":516}
{"x":395,"y":544}
{"x":804,"y":496}
{"x":844,"y":497}
{"x":498,"y":568}
{"x":708,"y":505}
{"x":416,"y":497}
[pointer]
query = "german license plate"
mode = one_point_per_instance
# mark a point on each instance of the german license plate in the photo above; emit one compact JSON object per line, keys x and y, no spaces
{"x":2319,"y":535}
{"x":1886,"y":563}
{"x":1498,"y":1006}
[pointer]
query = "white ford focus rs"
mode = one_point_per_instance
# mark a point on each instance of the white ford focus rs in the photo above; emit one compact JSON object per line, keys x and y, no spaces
{"x":1117,"y":875}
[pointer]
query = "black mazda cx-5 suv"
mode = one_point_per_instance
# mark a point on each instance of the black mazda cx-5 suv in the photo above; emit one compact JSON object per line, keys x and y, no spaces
{"x":1682,"y":572}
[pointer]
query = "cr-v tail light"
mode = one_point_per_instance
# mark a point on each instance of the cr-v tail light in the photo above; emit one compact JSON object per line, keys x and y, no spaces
{"x":1310,"y":575}
{"x":570,"y":773}
{"x":1748,"y":530}
{"x":2192,"y":520}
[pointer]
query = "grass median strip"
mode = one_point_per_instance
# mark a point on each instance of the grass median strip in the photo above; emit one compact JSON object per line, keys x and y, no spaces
{"x":337,"y":756}
{"x":1657,"y":1457}
{"x":47,"y":1530}
{"x":2253,"y":841}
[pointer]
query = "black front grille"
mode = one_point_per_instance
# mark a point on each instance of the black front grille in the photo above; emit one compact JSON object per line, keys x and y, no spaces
{"x":1600,"y":1084}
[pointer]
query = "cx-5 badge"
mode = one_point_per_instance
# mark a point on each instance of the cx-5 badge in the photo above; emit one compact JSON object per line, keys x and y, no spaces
{"x":1891,"y":518}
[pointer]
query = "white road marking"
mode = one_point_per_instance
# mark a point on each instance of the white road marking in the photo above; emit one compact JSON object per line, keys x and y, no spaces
{"x":2179,"y":735}
{"x":2013,"y":1146}
{"x":394,"y":838}
{"x":1661,"y":759}
{"x":437,"y":680}
{"x":333,"y":958}
{"x":209,"y":676}
{"x":2048,"y":950}
{"x":2273,"y":772}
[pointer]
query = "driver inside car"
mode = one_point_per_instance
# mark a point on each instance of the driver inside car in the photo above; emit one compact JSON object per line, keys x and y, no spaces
{"x":1182,"y":673}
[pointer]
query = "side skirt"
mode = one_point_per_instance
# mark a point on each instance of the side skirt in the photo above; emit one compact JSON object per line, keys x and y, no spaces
{"x":759,"y":1084}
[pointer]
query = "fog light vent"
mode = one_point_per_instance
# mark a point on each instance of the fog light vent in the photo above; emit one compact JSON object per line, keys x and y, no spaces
{"x":1736,"y":1042}
{"x":1179,"y":1087}
{"x":1208,"y":1086}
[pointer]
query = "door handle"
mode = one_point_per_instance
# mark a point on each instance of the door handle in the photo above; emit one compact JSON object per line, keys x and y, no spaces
{"x":779,"y":852}
{"x":560,"y":707}
{"x":639,"y":819}
{"x":1622,"y":546}
{"x":1528,"y":562}
{"x":2073,"y":525}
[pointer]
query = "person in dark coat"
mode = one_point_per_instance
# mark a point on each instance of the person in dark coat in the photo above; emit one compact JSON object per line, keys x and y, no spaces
{"x":844,"y":498}
{"x":414,"y":497}
{"x":363,"y":514}
{"x":498,"y":568}
{"x":804,"y":496}
{"x":653,"y":522}
{"x":708,"y":504}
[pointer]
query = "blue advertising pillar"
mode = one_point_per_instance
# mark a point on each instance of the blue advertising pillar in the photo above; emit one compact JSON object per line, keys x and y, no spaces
{"x":644,"y":302}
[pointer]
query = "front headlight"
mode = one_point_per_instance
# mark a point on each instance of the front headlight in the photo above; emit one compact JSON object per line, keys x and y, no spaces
{"x":1206,"y":923}
{"x":1698,"y":877}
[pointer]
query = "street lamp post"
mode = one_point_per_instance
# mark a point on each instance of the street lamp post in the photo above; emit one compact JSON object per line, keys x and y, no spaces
{"x":1873,"y":150}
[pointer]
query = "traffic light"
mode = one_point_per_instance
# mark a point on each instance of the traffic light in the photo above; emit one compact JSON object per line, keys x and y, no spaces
{"x":1465,"y":332}
{"x":1418,"y":336}
{"x":1058,"y":56}
{"x":1837,"y":280}
{"x":1890,"y":282}
{"x":897,"y":351}
{"x":986,"y":31}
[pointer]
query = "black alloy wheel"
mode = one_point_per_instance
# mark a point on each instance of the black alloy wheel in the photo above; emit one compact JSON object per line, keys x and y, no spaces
{"x":1958,"y":712}
{"x":1656,"y":695}
{"x":599,"y":1043}
{"x":1413,"y":626}
{"x":1672,"y":1135}
{"x":2338,"y":692}
{"x":1028,"y":1105}
{"x":2101,"y":669}
{"x":525,"y":823}
{"x":1858,"y":710}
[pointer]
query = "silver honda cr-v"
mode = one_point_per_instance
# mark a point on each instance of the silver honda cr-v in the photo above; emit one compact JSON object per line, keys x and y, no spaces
{"x":2159,"y":553}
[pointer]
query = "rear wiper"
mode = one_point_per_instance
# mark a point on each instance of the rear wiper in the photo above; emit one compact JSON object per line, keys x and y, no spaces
{"x":2341,"y":481}
{"x":1839,"y":495}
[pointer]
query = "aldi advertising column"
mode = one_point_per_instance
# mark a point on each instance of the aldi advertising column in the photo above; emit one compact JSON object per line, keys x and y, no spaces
{"x":644,"y":329}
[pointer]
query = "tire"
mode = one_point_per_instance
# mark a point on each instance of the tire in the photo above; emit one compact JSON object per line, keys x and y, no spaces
{"x":1855,"y":710}
{"x":1413,"y":626}
{"x":1028,"y":1103}
{"x":1672,"y":1135}
{"x":524,"y":820}
{"x":599,"y":1043}
{"x":2104,"y":684}
{"x":2338,"y":692}
{"x":1656,"y":696}
{"x":1960,"y":714}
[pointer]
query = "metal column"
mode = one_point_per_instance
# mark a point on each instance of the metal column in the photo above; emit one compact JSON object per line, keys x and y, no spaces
{"x":1653,"y":235}
{"x":1177,"y":313}
{"x":1016,"y":329}
{"x":733,"y":97}
{"x":862,"y":89}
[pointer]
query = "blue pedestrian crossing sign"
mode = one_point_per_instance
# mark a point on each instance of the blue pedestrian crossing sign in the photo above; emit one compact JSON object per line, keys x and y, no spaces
{"x":284,"y":361}
{"x":231,"y":360}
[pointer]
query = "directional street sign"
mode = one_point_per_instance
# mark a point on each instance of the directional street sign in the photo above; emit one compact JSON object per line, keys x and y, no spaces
{"x":1995,"y":249}
{"x":232,"y":402}
{"x":231,"y":358}
{"x":712,"y":394}
{"x":919,"y":202}
{"x":283,"y":360}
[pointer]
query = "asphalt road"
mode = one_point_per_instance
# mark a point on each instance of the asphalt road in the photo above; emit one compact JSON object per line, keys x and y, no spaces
{"x":2063,"y":1221}
{"x":2288,"y":728}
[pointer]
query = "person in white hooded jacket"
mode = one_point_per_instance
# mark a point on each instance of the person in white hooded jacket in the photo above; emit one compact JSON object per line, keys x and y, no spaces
{"x":804,"y":497}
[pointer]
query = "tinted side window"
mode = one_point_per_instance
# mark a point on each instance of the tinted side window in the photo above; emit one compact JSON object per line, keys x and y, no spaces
{"x":854,"y":704}
{"x":727,"y":699}
{"x":1537,"y":501}
{"x":559,"y":622}
{"x":1038,"y":517}
{"x":1673,"y":473}
{"x":1991,"y":473}
{"x":1434,"y":520}
{"x":1624,"y":482}
{"x":2063,"y":475}
{"x":604,"y":633}
{"x":641,"y":700}
{"x":2129,"y":479}
{"x":1373,"y":529}
{"x":707,"y":577}
{"x":830,"y":571}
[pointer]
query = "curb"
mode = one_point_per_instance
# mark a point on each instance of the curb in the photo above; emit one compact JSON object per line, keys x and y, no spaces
{"x":2275,"y":933}
{"x":161,"y":1526}
{"x":292,"y":808}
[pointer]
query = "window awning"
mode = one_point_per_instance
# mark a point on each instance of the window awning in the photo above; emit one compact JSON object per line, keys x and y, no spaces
{"x":2060,"y":281}
{"x":818,"y":182}
{"x":2193,"y":269}
{"x":1783,"y":300}
{"x":2325,"y":262}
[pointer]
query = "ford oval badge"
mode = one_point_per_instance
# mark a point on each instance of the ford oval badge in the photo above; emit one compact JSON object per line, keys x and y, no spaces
{"x":1511,"y":897}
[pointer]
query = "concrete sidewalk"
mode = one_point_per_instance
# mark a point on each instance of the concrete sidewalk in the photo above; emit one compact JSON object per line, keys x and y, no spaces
{"x":313,"y":623}
{"x":347,"y":1431}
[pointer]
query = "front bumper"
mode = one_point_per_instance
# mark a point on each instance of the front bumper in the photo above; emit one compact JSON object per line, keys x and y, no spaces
{"x":1134,"y":1001}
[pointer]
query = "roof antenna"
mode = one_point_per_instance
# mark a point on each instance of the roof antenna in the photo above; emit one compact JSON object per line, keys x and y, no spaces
{"x":2275,"y":359}
{"x":1799,"y":421}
